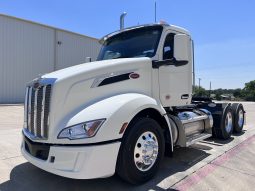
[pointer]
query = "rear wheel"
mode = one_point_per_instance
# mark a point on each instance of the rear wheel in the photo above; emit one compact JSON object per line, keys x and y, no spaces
{"x":141,"y":151}
{"x":238,"y":113}
{"x":225,"y":129}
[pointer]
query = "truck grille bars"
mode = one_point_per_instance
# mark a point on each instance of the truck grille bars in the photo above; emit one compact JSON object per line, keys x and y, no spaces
{"x":37,"y":105}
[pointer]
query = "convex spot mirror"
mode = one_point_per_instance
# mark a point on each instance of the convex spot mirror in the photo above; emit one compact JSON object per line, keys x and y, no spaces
{"x":181,"y":47}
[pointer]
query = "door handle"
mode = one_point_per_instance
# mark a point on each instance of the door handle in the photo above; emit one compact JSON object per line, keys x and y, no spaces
{"x":172,"y":61}
{"x":185,"y":96}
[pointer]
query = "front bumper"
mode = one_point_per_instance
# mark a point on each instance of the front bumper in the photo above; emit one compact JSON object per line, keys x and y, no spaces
{"x":78,"y":162}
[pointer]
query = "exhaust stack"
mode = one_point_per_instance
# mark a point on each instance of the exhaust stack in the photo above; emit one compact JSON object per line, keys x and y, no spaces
{"x":122,"y":16}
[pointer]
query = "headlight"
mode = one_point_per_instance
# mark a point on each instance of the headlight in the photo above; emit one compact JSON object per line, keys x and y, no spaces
{"x":82,"y":130}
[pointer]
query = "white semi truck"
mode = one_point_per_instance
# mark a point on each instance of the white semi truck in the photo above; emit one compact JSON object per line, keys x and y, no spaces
{"x":123,"y":112}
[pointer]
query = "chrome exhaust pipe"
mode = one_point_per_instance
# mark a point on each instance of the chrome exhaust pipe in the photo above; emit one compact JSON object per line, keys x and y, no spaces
{"x":122,"y":16}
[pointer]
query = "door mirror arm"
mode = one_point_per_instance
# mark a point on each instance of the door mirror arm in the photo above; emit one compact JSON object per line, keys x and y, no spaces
{"x":172,"y":61}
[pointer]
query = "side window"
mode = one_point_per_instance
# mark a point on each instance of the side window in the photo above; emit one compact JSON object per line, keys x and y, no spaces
{"x":168,"y":50}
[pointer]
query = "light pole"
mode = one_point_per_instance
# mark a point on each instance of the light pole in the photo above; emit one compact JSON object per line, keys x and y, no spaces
{"x":199,"y":92}
{"x":199,"y":79}
{"x":210,"y":89}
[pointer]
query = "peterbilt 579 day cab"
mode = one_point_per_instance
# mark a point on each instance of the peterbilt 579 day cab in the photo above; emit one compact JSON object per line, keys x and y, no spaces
{"x":123,"y":112}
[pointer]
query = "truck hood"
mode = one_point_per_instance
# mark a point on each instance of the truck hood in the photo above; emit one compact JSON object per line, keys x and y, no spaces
{"x":78,"y":87}
{"x":97,"y":68}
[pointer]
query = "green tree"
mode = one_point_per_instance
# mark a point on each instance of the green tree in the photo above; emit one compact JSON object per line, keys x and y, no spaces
{"x":249,"y":91}
{"x":199,"y":91}
{"x":237,"y":93}
{"x":218,"y":97}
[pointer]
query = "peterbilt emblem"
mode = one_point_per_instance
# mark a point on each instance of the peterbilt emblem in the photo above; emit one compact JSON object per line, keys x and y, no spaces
{"x":134,"y":75}
{"x":36,"y":85}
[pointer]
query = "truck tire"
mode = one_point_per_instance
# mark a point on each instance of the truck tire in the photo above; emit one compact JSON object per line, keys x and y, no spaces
{"x":238,"y":114}
{"x":141,"y":151}
{"x":224,"y":128}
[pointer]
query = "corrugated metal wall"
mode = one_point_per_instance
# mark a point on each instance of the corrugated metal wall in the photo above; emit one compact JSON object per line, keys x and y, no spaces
{"x":73,"y":49}
{"x":28,"y":49}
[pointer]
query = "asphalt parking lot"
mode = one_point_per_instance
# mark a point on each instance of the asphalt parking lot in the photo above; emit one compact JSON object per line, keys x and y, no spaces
{"x":207,"y":165}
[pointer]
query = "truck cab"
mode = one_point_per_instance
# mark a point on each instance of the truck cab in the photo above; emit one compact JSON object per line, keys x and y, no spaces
{"x":170,"y":49}
{"x":123,"y":112}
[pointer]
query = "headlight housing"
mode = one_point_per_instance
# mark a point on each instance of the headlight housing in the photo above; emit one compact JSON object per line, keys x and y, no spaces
{"x":83,"y":130}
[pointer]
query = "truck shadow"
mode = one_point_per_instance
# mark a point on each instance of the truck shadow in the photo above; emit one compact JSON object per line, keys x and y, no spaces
{"x":28,"y":177}
{"x":239,"y":134}
{"x":219,"y":142}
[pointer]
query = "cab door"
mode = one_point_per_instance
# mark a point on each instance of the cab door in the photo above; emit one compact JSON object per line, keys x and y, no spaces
{"x":175,"y":77}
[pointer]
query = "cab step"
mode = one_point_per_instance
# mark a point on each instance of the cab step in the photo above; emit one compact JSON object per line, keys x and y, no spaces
{"x":197,"y":137}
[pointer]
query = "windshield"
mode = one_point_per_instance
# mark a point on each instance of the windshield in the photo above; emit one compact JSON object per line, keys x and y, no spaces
{"x":141,"y":42}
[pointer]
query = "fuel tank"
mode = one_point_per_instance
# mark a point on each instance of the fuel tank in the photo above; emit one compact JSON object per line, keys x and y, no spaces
{"x":188,"y":124}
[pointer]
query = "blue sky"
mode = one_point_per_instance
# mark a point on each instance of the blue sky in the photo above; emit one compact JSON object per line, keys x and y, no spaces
{"x":223,"y":30}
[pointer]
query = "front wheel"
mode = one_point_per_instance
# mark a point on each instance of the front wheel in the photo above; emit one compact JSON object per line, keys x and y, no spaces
{"x":141,"y":151}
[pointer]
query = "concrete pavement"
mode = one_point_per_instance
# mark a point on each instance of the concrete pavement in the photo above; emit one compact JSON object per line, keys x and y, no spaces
{"x":208,"y":165}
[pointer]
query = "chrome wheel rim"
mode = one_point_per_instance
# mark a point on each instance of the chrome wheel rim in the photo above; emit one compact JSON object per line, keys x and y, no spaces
{"x":146,"y":151}
{"x":240,"y":118}
{"x":228,"y":122}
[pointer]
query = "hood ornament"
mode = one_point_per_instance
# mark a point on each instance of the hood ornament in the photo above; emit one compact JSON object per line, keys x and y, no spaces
{"x":36,"y":82}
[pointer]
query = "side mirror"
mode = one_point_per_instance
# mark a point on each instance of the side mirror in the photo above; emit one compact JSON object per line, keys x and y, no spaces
{"x":181,"y":47}
{"x":88,"y":59}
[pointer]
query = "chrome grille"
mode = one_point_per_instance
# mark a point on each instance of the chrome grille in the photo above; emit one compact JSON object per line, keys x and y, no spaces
{"x":37,"y":106}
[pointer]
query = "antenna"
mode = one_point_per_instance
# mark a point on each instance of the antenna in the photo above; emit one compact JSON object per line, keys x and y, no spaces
{"x":155,"y":12}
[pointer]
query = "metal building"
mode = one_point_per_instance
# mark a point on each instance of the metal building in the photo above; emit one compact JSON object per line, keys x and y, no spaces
{"x":28,"y":49}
